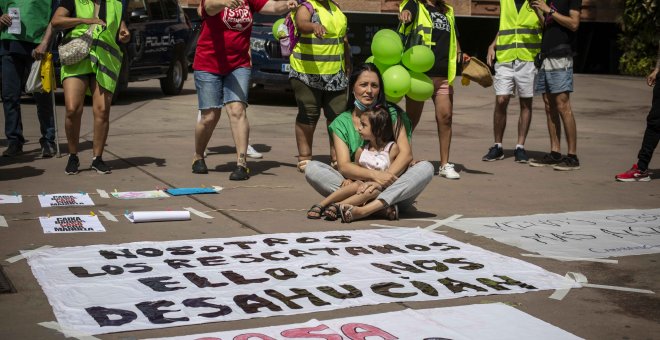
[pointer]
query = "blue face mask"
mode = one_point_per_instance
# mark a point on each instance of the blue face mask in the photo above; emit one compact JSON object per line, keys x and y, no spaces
{"x":360,"y":106}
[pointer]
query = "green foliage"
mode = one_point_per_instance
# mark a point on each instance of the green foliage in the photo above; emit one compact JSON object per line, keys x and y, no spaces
{"x":639,"y":37}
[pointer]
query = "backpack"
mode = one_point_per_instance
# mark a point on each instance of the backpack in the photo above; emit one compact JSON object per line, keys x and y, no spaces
{"x":286,"y":32}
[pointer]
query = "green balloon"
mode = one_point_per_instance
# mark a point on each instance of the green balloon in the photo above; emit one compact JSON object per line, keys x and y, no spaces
{"x":369,"y":60}
{"x":276,"y":25}
{"x":396,"y":81}
{"x":421,"y":87}
{"x":380,"y":66}
{"x":393,"y":100}
{"x":386,"y":46}
{"x":418,"y":58}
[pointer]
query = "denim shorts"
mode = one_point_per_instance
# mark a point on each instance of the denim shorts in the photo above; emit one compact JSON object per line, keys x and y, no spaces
{"x":215,"y":90}
{"x":555,"y":76}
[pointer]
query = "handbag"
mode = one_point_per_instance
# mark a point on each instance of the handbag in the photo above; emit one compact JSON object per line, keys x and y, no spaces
{"x":76,"y":49}
{"x":33,"y":83}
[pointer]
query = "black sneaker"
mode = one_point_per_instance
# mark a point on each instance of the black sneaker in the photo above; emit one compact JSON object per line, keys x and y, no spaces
{"x":241,"y":173}
{"x":72,"y":165}
{"x":47,"y":150}
{"x":99,"y":165}
{"x":547,"y":160}
{"x":494,"y":153}
{"x":199,"y":167}
{"x":568,"y":164}
{"x":13,"y":150}
{"x":520,"y":155}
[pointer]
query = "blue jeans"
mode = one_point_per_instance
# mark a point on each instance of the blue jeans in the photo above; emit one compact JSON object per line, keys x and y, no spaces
{"x":215,"y":90}
{"x":15,"y":68}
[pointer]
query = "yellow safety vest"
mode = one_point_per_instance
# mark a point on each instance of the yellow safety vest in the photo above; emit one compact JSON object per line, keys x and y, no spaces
{"x":423,"y":26}
{"x":324,"y":55}
{"x":519,"y":36}
{"x":105,"y":56}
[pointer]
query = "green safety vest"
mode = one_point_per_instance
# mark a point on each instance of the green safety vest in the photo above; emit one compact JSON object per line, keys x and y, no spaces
{"x":35,"y":16}
{"x":105,"y":56}
{"x":423,"y":26}
{"x":519,"y":36}
{"x":313,"y":55}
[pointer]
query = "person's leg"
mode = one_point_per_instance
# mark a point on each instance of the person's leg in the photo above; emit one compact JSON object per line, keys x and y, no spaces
{"x":525,"y":119}
{"x":235,"y":89}
{"x":13,"y":68}
{"x":443,"y":116}
{"x":210,"y":98}
{"x":334,"y":103}
{"x":325,"y":179}
{"x":554,"y":125}
{"x":563,"y":107}
{"x":341,"y":194}
{"x":652,"y":132}
{"x":309,"y":112}
{"x":101,"y":101}
{"x":525,"y":74}
{"x":414,"y":110}
{"x":204,"y":130}
{"x":499,"y":117}
{"x":46,"y":117}
{"x":74,"y":101}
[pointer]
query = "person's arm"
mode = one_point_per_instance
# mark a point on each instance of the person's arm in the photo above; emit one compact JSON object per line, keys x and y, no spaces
{"x":653,"y":76}
{"x":404,"y":156}
{"x":348,"y":58}
{"x":570,"y":21}
{"x":353,"y":171}
{"x":408,"y":12}
{"x":42,"y":48}
{"x":124,"y":33}
{"x":62,"y":21}
{"x":274,"y":7}
{"x":490,"y":57}
{"x":213,"y":7}
{"x":304,"y":24}
{"x":5,"y":21}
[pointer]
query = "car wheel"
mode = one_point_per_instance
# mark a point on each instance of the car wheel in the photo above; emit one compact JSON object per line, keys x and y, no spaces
{"x":176,"y":75}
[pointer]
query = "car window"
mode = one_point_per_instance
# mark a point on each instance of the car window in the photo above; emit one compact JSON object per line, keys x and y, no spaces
{"x":155,"y":10}
{"x":170,"y":9}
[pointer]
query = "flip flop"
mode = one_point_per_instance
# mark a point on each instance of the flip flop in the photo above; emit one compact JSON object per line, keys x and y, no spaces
{"x":346,"y":213}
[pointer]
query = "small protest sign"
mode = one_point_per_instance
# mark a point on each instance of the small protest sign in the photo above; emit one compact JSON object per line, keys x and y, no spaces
{"x":65,"y":200}
{"x":71,"y":224}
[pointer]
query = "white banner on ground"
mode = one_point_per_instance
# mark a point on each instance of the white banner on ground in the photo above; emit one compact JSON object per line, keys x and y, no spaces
{"x":65,"y":200}
{"x":484,"y":321}
{"x":71,"y":224}
{"x":130,"y":195}
{"x":146,"y":285}
{"x":586,"y":234}
{"x":6,"y":199}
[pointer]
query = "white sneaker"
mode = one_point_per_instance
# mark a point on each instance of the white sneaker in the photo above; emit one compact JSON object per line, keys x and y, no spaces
{"x":448,"y":172}
{"x":252,"y":153}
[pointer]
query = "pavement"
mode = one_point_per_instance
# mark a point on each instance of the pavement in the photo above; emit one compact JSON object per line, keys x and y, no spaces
{"x":150,"y":146}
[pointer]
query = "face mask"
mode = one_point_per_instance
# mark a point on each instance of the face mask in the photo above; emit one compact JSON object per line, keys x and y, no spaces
{"x":361,"y":106}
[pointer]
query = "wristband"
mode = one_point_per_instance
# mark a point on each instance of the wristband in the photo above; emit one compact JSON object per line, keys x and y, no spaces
{"x":552,"y":11}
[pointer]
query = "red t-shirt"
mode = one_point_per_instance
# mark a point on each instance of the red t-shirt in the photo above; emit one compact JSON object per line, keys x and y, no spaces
{"x":224,"y":41}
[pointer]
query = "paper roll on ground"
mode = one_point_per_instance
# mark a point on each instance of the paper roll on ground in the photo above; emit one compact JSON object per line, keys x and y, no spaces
{"x":154,"y":216}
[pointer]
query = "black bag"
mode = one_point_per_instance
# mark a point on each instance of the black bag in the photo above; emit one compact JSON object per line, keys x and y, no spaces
{"x":538,"y":60}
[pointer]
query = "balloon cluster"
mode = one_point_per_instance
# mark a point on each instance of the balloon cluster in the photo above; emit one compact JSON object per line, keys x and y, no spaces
{"x":402,"y":71}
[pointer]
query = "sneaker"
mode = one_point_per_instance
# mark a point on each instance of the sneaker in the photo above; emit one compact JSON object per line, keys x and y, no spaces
{"x":99,"y":165}
{"x":241,"y":173}
{"x":494,"y":153}
{"x":13,"y":150}
{"x":72,"y":165}
{"x":567,"y":164}
{"x":252,"y":153}
{"x":199,"y":167}
{"x":447,"y":171}
{"x":520,"y":156}
{"x":47,"y":150}
{"x":634,"y":175}
{"x":547,"y":160}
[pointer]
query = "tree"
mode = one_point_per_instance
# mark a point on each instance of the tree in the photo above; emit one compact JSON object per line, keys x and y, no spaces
{"x":639,"y":37}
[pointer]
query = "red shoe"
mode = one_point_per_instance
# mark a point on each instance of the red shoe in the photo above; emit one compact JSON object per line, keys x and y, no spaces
{"x":633,"y":175}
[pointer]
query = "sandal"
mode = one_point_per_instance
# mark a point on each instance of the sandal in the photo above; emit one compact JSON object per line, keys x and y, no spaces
{"x":302,"y":165}
{"x":392,"y":212}
{"x":315,"y":212}
{"x":331,"y":212}
{"x":345,"y":211}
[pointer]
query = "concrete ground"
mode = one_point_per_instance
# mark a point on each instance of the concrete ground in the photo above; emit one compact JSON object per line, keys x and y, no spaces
{"x":151,"y":145}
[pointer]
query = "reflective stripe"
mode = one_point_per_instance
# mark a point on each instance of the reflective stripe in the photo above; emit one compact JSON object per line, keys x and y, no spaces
{"x":108,"y":48}
{"x":102,"y":68}
{"x":518,"y":45}
{"x":425,"y":30}
{"x":313,"y":57}
{"x":317,"y":41}
{"x":520,"y":31}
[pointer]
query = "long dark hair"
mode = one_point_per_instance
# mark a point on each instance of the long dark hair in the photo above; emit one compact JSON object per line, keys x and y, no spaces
{"x":440,"y":4}
{"x":381,"y":126}
{"x":366,"y":67}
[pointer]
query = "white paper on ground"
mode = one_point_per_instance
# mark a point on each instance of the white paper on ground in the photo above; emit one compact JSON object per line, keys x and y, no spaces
{"x":154,"y":216}
{"x":130,"y":195}
{"x":5,"y":199}
{"x":71,"y":224}
{"x":65,"y":200}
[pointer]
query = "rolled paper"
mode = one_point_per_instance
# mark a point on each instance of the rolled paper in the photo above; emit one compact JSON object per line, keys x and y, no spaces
{"x":156,"y":216}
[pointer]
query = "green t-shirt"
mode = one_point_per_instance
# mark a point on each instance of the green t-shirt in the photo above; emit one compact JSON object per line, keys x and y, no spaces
{"x":343,"y":127}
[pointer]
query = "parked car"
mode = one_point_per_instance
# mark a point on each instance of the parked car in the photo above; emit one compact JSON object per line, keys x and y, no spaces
{"x":160,"y":39}
{"x":196,"y":26}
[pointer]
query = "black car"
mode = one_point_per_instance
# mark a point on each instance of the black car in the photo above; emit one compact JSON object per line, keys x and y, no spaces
{"x":160,"y":38}
{"x":269,"y":69}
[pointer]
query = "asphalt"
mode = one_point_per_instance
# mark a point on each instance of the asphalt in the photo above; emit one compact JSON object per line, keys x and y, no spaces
{"x":150,"y":146}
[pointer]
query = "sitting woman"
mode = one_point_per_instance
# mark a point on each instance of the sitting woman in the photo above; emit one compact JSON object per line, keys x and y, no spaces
{"x":400,"y":184}
{"x":377,"y":153}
